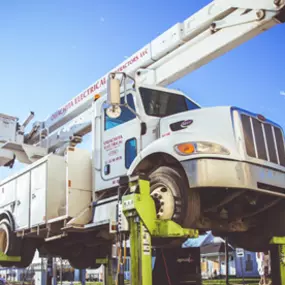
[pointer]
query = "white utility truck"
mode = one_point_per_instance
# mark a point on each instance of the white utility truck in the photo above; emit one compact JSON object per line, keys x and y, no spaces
{"x":219,"y":168}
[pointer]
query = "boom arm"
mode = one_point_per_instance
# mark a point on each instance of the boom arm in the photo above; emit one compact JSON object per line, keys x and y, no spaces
{"x":214,"y":30}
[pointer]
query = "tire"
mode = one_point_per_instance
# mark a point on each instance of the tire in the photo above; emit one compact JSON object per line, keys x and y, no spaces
{"x":28,"y":250}
{"x":9,"y":243}
{"x":169,"y":187}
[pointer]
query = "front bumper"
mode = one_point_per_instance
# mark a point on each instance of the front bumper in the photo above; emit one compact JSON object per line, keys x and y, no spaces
{"x":217,"y":173}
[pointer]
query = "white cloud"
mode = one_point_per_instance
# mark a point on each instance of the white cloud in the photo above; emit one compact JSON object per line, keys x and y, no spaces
{"x":282,"y":93}
{"x":102,"y":19}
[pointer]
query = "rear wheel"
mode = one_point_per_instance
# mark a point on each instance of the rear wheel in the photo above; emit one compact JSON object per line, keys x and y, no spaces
{"x":4,"y":237}
{"x":27,"y":253}
{"x":173,"y":198}
{"x":11,"y":245}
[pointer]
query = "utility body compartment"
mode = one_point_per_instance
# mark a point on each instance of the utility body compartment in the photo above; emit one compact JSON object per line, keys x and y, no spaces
{"x":53,"y":188}
{"x":8,"y":127}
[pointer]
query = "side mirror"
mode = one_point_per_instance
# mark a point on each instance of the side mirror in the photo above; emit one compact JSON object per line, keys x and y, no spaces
{"x":113,"y":97}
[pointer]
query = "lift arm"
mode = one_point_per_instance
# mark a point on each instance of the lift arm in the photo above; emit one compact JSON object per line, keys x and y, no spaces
{"x":214,"y":30}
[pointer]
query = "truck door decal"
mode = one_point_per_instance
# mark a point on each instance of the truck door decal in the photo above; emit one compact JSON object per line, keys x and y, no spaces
{"x":120,"y":141}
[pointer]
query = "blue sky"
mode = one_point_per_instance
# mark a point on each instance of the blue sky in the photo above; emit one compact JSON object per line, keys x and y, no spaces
{"x":51,"y":50}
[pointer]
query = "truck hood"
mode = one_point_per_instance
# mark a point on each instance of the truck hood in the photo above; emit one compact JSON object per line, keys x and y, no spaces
{"x":216,"y":120}
{"x":214,"y":124}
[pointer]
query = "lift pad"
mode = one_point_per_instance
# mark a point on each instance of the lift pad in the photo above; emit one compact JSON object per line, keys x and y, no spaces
{"x":6,"y":258}
{"x":139,"y":208}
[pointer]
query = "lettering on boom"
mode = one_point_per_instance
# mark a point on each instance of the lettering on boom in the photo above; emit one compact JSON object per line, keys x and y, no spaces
{"x":86,"y":93}
{"x":99,"y":84}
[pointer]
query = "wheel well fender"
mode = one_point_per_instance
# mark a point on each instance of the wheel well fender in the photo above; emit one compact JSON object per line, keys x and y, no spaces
{"x":4,"y":214}
{"x":159,"y":146}
{"x":155,"y":160}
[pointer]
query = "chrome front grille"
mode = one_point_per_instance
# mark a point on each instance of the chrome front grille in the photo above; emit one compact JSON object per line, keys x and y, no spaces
{"x":263,"y":140}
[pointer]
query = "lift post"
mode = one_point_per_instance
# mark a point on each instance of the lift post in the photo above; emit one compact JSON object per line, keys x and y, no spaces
{"x":278,"y":260}
{"x":139,"y":208}
{"x":107,"y":263}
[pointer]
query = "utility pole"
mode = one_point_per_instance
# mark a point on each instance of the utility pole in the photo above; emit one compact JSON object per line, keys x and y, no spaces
{"x":49,"y":274}
{"x":227,"y":260}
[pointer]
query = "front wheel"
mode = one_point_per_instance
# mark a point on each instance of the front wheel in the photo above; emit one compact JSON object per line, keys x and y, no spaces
{"x":174,"y":199}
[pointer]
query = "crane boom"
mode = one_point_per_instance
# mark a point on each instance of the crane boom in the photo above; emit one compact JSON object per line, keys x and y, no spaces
{"x":214,"y":30}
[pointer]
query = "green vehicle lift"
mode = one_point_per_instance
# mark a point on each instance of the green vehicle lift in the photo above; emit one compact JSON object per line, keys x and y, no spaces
{"x":139,"y":209}
{"x":278,"y":260}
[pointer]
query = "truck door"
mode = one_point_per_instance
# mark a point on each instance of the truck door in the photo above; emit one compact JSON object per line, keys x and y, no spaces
{"x":120,"y":140}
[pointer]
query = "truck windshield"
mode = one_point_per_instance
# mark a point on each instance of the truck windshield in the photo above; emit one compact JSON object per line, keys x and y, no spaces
{"x":161,"y":104}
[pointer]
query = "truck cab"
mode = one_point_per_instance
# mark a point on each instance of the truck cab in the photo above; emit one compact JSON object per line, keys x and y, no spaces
{"x":218,"y":168}
{"x":138,"y":126}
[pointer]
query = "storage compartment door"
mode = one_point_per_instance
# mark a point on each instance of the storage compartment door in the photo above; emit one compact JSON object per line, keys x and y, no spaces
{"x":38,"y":195}
{"x":7,"y":196}
{"x":22,"y":214}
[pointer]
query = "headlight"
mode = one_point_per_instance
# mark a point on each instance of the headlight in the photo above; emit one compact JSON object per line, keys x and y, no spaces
{"x":200,"y":147}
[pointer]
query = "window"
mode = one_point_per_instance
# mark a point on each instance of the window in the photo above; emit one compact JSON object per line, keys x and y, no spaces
{"x":248,"y":263}
{"x":130,"y":151}
{"x":126,"y":114}
{"x":161,"y":104}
